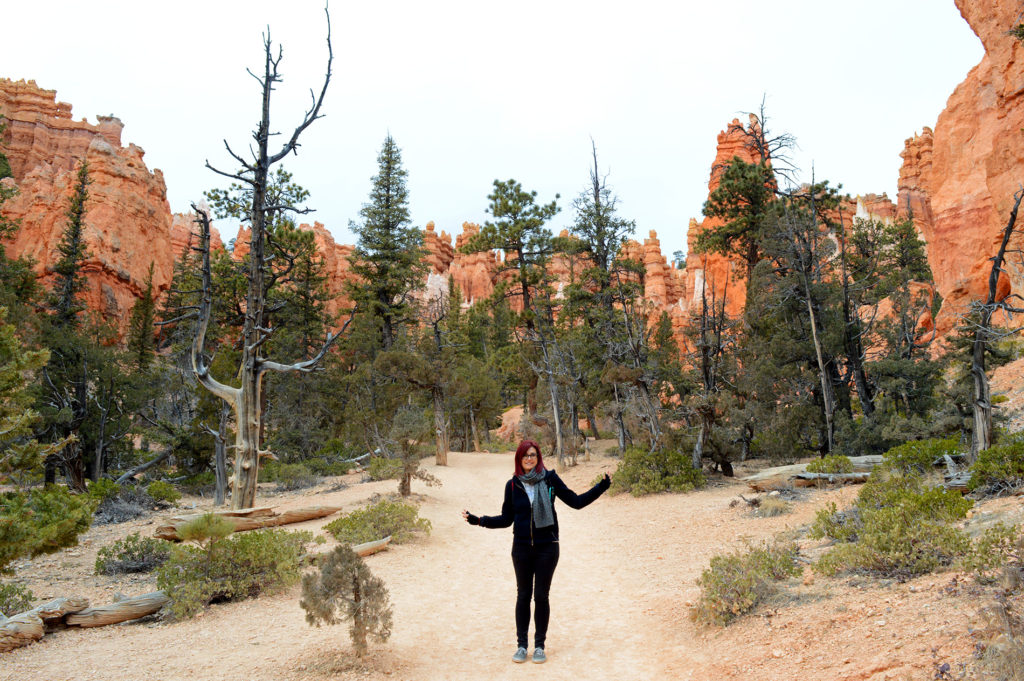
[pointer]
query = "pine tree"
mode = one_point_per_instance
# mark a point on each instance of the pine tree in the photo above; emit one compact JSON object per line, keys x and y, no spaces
{"x":141,"y":342}
{"x":743,"y":200}
{"x":65,"y":301}
{"x":5,"y":166}
{"x":388,"y":258}
{"x":345,"y":589}
{"x":518,"y":230}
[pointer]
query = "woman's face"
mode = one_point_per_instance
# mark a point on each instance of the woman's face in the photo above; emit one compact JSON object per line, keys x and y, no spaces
{"x":529,"y":460}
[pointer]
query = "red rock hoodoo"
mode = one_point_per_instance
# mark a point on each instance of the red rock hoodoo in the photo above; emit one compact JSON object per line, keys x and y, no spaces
{"x":958,"y":181}
{"x":128,"y":223}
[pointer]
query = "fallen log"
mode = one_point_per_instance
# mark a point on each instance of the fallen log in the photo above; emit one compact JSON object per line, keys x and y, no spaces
{"x":20,"y":630}
{"x":29,"y":626}
{"x":249,"y":519}
{"x":372,"y":547}
{"x":121,"y":610}
{"x":806,"y":479}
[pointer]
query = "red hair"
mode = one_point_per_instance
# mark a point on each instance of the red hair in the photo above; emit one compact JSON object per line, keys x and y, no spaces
{"x":524,"y":447}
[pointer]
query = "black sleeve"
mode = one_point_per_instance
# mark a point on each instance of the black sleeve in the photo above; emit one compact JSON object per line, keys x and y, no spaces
{"x":506,"y":517}
{"x":572,"y":499}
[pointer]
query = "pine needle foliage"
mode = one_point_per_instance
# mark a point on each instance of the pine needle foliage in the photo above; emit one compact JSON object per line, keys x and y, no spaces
{"x":388,"y":258}
{"x":65,"y":298}
{"x":346,"y":590}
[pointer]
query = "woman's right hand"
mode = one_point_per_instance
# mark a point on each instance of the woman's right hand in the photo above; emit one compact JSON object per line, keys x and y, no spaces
{"x":470,"y":518}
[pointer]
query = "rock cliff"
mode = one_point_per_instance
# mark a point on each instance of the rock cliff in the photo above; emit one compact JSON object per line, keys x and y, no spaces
{"x":128,"y":223}
{"x":958,"y":180}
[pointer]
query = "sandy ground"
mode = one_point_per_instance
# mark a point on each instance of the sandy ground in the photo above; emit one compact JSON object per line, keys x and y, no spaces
{"x":620,"y":601}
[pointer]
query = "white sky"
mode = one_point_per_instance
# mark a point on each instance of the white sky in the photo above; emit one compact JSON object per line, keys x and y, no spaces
{"x":478,"y":90}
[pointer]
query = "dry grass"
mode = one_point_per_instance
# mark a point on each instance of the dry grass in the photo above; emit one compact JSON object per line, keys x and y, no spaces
{"x":773,"y":506}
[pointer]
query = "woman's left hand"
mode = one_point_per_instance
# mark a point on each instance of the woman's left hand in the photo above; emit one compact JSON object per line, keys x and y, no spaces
{"x":608,"y":478}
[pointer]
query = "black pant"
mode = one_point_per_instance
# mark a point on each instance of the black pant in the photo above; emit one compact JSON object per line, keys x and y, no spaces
{"x":535,"y":566}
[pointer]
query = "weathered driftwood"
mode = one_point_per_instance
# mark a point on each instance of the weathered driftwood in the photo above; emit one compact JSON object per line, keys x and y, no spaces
{"x":120,"y":611}
{"x":20,"y":630}
{"x":773,"y":478}
{"x":29,"y":626}
{"x":795,"y":475}
{"x":52,"y":613}
{"x":806,"y":479}
{"x":250,"y":519}
{"x":372,"y":547}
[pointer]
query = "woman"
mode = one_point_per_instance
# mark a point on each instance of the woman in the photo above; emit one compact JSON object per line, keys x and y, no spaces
{"x":529,"y":507}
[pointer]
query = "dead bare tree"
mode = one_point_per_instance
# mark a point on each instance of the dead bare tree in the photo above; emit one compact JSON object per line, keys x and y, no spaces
{"x":984,"y":335}
{"x":246,"y":399}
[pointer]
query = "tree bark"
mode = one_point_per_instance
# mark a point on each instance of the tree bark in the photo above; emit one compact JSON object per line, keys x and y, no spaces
{"x":440,"y":427}
{"x":698,"y":447}
{"x":119,"y":611}
{"x":249,"y":519}
{"x":220,"y":466}
{"x":472,"y":428}
{"x":981,"y":435}
{"x":29,"y":626}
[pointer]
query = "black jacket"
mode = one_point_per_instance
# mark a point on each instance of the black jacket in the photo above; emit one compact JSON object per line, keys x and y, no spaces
{"x":517,"y":511}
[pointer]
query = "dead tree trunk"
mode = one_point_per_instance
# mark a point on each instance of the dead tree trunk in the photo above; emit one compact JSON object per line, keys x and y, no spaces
{"x":220,"y":442}
{"x":473,"y":430}
{"x":981,"y":405}
{"x":254,"y":174}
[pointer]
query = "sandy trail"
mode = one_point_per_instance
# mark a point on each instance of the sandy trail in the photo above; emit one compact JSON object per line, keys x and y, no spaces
{"x":619,"y":599}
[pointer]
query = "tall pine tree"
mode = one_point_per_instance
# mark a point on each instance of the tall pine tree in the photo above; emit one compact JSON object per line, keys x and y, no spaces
{"x":388,"y":258}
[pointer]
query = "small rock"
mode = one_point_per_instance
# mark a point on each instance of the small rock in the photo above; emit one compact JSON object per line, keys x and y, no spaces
{"x":776,"y":653}
{"x":773,"y":493}
{"x":880,"y":623}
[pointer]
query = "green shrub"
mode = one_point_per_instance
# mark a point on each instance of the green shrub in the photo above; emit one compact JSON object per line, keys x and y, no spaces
{"x":839,"y":526}
{"x":206,"y":529}
{"x":919,"y":456}
{"x":327,"y":466}
{"x":736,"y":583}
{"x":833,"y":463}
{"x":893,"y":543}
{"x":897,"y":528}
{"x":999,"y":547}
{"x":163,"y":492}
{"x":642,"y":472}
{"x":345,"y":589}
{"x":134,"y":553}
{"x":399,"y":520}
{"x":41,"y":521}
{"x":292,"y":476}
{"x":14,"y":598}
{"x":199,"y":484}
{"x":910,"y":492}
{"x":126,"y":503}
{"x":230,"y":569}
{"x":999,"y":469}
{"x":103,"y":489}
{"x":381,"y":468}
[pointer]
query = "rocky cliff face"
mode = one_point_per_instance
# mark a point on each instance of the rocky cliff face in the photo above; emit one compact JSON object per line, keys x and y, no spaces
{"x":959,"y":179}
{"x":128,"y":223}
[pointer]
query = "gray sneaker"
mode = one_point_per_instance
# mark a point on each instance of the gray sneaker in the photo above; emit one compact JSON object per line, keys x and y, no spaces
{"x":520,"y":655}
{"x":539,"y":656}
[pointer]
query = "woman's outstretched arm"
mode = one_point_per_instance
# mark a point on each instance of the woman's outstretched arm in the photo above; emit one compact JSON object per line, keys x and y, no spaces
{"x":574,"y":500}
{"x":494,"y":521}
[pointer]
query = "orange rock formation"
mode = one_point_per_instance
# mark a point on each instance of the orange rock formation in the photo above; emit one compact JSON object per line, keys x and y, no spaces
{"x":128,"y":223}
{"x":959,"y":179}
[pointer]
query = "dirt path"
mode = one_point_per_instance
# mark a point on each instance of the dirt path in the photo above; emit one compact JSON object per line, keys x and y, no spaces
{"x":619,"y":600}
